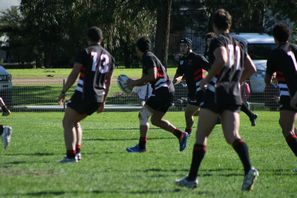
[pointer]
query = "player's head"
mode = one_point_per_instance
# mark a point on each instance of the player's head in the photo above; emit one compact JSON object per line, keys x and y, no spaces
{"x":281,"y":33}
{"x":221,"y":20}
{"x":143,"y":45}
{"x":94,"y":34}
{"x":185,"y":45}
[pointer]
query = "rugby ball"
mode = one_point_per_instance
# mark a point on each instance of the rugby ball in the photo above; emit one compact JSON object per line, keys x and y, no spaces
{"x":123,"y":83}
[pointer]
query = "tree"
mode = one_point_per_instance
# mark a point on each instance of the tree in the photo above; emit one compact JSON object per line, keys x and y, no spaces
{"x":61,"y":25}
{"x":256,"y":15}
{"x":163,"y":30}
{"x":17,"y":46}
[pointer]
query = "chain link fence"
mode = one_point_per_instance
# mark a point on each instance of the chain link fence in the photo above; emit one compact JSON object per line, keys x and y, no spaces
{"x":42,"y":95}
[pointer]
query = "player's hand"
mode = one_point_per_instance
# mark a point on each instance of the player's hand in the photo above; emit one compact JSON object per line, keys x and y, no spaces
{"x":61,"y":98}
{"x":203,"y":84}
{"x":177,"y":80}
{"x":101,"y":108}
{"x":130,"y":83}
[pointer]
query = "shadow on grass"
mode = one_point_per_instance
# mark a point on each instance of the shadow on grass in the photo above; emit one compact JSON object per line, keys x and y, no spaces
{"x":278,"y":172}
{"x":124,"y":139}
{"x":42,"y":193}
{"x":120,"y":129}
{"x":31,"y":154}
{"x":101,"y":192}
{"x":15,"y":162}
{"x":204,"y":173}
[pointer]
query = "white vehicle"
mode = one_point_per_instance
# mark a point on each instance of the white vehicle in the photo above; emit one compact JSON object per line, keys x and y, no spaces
{"x":5,"y":86}
{"x":259,"y":47}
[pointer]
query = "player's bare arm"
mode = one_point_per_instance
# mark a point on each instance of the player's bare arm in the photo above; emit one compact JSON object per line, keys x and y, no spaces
{"x":249,"y":69}
{"x":108,"y":80}
{"x":70,"y":81}
{"x":151,"y":76}
{"x":268,"y":79}
{"x":293,"y":101}
{"x":177,"y":78}
{"x":221,"y":59}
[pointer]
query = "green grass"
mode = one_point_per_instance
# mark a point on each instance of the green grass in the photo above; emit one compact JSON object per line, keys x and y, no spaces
{"x":63,"y":73}
{"x":38,"y":73}
{"x":29,"y":167}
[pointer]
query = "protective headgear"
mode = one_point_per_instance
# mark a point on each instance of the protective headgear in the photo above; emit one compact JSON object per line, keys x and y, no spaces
{"x":186,"y":41}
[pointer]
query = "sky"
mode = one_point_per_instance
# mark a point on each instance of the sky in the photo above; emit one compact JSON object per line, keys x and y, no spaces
{"x":4,"y":4}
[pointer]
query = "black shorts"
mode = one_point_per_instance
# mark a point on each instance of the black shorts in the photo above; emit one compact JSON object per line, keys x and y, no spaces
{"x":285,"y":104}
{"x":83,"y":105}
{"x":160,"y":102}
{"x":209,"y":102}
{"x":197,"y":99}
{"x":193,"y":101}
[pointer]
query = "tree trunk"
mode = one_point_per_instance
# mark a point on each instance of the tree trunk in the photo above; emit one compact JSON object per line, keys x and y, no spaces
{"x":163,"y":30}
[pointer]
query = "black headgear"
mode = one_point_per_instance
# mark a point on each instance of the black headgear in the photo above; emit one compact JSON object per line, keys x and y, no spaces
{"x":187,"y":41}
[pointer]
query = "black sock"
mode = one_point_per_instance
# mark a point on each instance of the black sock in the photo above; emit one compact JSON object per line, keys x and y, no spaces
{"x":177,"y":133}
{"x":1,"y":129}
{"x":292,"y":142}
{"x":188,"y":130}
{"x":4,"y":109}
{"x":242,"y":150}
{"x":246,"y":110}
{"x":142,"y":142}
{"x":70,"y":154}
{"x":197,"y":156}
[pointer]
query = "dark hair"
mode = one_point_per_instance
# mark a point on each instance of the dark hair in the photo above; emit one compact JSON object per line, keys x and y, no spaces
{"x":186,"y":41}
{"x":210,"y":35}
{"x":95,"y":34}
{"x":281,"y":32}
{"x":222,"y":19}
{"x":144,"y":44}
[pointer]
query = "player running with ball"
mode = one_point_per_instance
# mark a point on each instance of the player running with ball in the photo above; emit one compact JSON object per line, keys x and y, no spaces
{"x":158,"y":103}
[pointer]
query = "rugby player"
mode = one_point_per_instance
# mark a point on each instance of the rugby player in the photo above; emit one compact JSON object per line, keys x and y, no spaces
{"x":5,"y":131}
{"x":192,"y":68}
{"x":283,"y":62}
{"x":158,"y":103}
{"x":95,"y":66}
{"x":230,"y":65}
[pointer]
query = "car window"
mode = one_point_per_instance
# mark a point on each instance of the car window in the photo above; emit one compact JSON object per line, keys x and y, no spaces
{"x":5,"y":78}
{"x":259,"y":51}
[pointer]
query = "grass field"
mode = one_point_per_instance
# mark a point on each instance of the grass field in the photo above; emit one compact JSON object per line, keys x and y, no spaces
{"x":30,"y":168}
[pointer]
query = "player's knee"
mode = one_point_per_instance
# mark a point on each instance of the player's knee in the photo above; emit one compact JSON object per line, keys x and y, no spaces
{"x":67,"y":122}
{"x":143,"y":116}
{"x":76,"y":125}
{"x":64,"y":121}
{"x":1,"y":102}
{"x":155,"y":121}
{"x":230,"y":139}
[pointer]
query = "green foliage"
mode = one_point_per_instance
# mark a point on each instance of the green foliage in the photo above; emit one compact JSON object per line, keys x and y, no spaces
{"x":30,"y":168}
{"x":18,"y":44}
{"x":250,"y":15}
{"x":56,"y":29}
{"x":51,"y":32}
